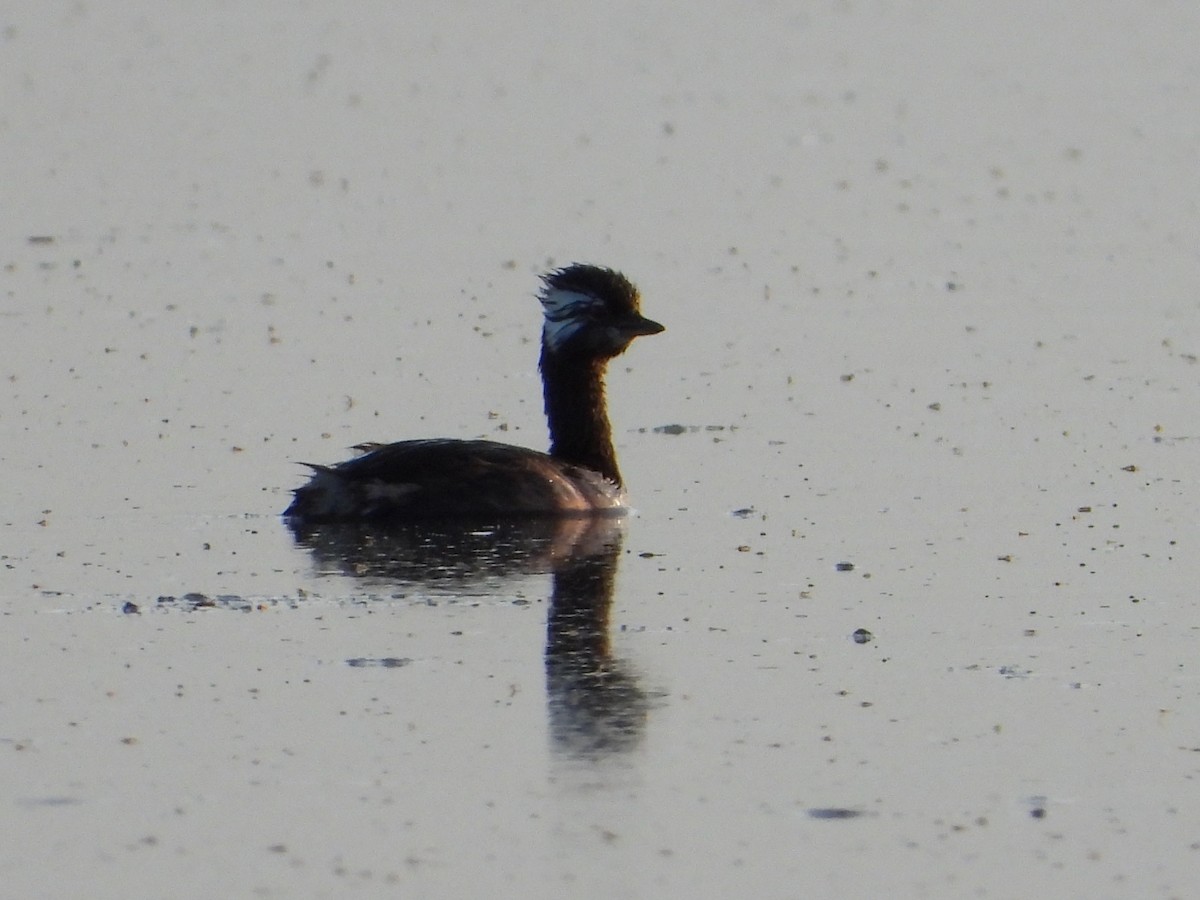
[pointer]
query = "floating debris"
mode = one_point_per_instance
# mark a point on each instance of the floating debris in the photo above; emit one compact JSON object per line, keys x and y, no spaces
{"x":1014,"y":672}
{"x":862,"y":636}
{"x":688,"y":429}
{"x":194,"y":600}
{"x":382,"y":662}
{"x":30,"y":802}
{"x":844,"y":567}
{"x":834,"y":812}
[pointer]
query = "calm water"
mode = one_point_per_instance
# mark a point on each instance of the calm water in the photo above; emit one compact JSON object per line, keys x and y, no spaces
{"x":908,"y":605}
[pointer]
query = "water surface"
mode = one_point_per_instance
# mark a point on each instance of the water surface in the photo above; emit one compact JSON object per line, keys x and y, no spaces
{"x":908,"y":607}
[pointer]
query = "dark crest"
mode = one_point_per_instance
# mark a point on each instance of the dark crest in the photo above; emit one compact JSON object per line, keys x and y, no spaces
{"x":609,"y":286}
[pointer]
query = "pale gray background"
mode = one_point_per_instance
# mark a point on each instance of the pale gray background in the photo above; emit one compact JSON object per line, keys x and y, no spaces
{"x":279,"y":229}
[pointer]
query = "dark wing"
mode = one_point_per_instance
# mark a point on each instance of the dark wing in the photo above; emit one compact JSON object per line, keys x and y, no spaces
{"x":440,"y":479}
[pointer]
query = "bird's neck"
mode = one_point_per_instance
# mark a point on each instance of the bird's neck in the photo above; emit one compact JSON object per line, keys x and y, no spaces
{"x":577,"y":414}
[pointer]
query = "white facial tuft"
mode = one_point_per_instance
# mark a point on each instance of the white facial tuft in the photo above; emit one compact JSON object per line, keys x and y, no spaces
{"x":565,"y":313}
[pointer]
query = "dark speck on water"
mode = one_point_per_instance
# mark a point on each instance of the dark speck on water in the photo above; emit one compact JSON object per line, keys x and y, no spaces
{"x":834,"y":812}
{"x":49,"y":801}
{"x":385,"y":662}
{"x":194,"y":600}
{"x":688,"y":429}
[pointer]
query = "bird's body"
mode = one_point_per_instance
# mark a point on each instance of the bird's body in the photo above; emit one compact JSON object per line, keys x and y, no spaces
{"x":591,"y":315}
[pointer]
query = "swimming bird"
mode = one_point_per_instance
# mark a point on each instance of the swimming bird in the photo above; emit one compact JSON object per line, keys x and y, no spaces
{"x":590,"y":315}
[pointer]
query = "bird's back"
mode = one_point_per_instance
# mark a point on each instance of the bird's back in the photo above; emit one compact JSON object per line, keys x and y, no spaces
{"x":451,"y":479}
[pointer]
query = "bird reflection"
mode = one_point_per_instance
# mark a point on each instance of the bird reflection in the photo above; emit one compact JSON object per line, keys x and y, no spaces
{"x":596,"y":705}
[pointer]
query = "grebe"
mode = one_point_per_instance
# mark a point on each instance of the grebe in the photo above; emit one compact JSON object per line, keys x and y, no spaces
{"x":591,"y":315}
